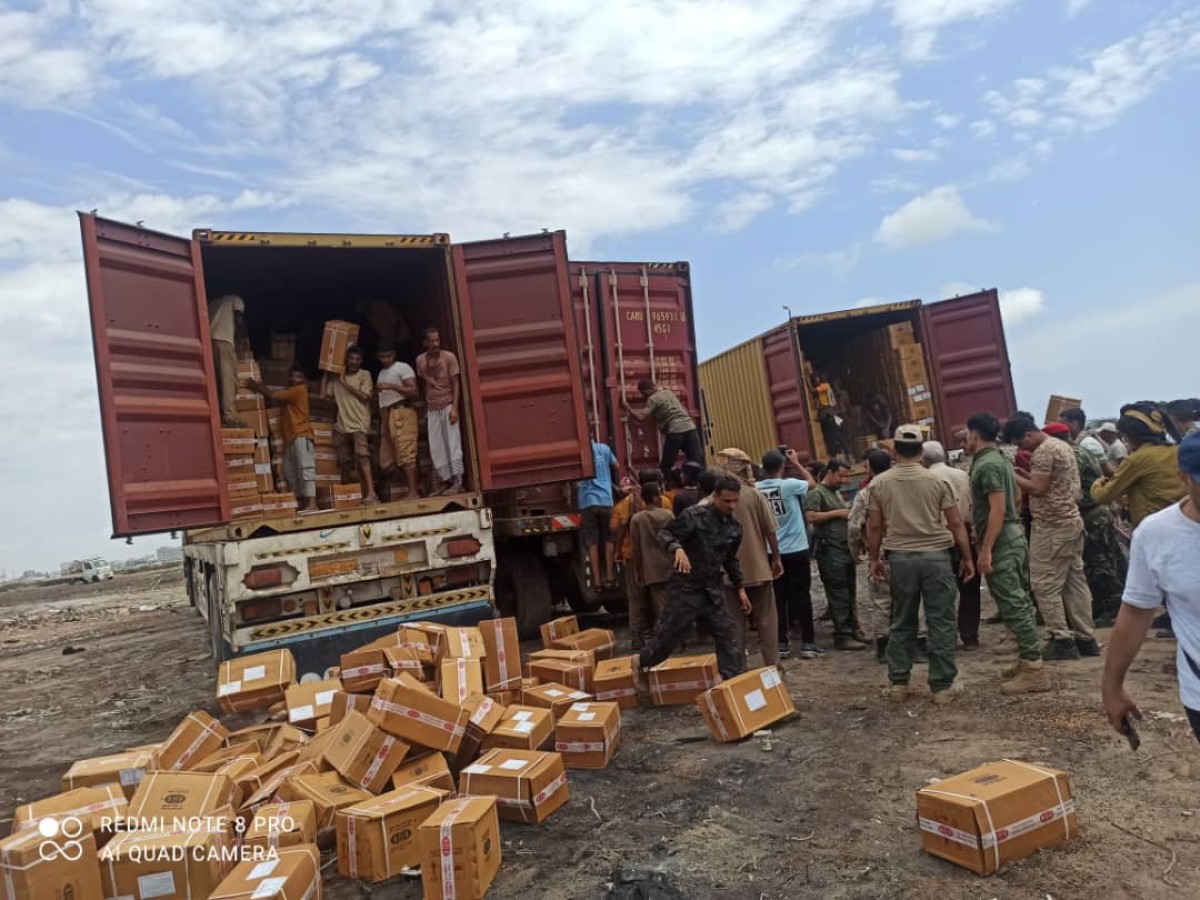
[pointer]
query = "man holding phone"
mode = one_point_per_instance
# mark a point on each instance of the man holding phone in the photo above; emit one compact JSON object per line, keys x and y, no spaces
{"x":1164,"y":568}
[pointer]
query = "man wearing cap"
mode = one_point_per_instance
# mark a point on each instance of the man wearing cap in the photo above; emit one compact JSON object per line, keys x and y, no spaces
{"x":1147,"y":481}
{"x":919,"y":513}
{"x":1164,"y":568}
{"x":1114,"y":447}
{"x":1075,"y":420}
{"x":829,"y":514}
{"x":1056,"y":540}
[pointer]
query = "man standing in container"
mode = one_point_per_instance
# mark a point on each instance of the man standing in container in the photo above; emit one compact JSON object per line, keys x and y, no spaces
{"x":299,"y":455}
{"x":397,"y":389}
{"x":352,"y":391}
{"x":677,"y":428}
{"x":226,"y":327}
{"x":793,"y":587}
{"x":829,"y":514}
{"x":438,"y":368}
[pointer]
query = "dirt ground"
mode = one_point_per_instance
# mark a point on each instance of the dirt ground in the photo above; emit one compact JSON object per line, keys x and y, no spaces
{"x":827,"y":811}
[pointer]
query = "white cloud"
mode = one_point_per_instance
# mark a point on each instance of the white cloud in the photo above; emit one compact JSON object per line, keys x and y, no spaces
{"x":922,"y":20}
{"x":1075,"y":7}
{"x":1019,"y":304}
{"x":842,"y":262}
{"x":737,"y":212}
{"x":867,"y":301}
{"x":909,"y":155}
{"x":35,"y":73}
{"x":982,"y":128}
{"x":946,"y":121}
{"x":933,"y":216}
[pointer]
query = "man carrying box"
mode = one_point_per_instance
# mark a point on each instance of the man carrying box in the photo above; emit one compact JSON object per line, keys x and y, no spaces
{"x":397,"y":389}
{"x":352,"y":391}
{"x":299,"y":460}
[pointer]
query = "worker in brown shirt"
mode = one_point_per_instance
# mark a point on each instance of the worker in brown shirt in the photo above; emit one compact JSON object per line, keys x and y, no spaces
{"x":299,"y":454}
{"x":649,"y":564}
{"x":759,"y":558}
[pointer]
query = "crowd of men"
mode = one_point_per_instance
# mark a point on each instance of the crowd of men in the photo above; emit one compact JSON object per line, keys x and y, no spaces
{"x":1035,"y":511}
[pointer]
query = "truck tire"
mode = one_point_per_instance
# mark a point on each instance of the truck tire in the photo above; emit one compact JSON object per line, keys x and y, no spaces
{"x":523,"y":591}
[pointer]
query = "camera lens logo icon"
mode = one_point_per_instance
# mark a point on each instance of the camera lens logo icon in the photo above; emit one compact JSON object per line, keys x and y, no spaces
{"x":67,"y":831}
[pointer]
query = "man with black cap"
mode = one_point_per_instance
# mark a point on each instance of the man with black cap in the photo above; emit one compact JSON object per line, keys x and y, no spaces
{"x":1164,"y":568}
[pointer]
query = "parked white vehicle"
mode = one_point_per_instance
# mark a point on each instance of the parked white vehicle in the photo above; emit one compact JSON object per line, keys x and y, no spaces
{"x":90,"y":571}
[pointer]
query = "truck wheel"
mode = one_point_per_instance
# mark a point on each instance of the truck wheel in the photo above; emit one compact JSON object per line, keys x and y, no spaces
{"x":523,"y":591}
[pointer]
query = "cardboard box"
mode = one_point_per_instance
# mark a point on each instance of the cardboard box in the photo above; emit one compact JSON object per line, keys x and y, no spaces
{"x":310,"y":700}
{"x":406,"y":709}
{"x":282,"y":825}
{"x":344,"y":702}
{"x":502,"y":654}
{"x":558,"y":628}
{"x":237,"y":441}
{"x":327,"y":791}
{"x":34,"y":867}
{"x":900,"y":334}
{"x":912,"y":371}
{"x":555,"y":697}
{"x":580,"y":657}
{"x":427,"y":770}
{"x":505,"y":698}
{"x":284,"y":738}
{"x":90,"y":805}
{"x":378,"y":838}
{"x":681,"y":679}
{"x":219,"y":758}
{"x":600,"y":641}
{"x":278,"y":505}
{"x":430,"y":634}
{"x":180,"y":795}
{"x":1059,"y":402}
{"x":256,"y":681}
{"x":406,"y":658}
{"x":336,"y":337}
{"x":910,"y":352}
{"x":170,"y":865}
{"x":283,"y":347}
{"x":521,"y":728}
{"x":292,"y":873}
{"x":922,"y":409}
{"x":462,"y":643}
{"x":460,"y":849}
{"x":364,"y":754}
{"x":737,"y":708}
{"x":314,"y":750}
{"x":996,"y":813}
{"x":126,"y":769}
{"x":614,"y":680}
{"x":239,"y":766}
{"x":560,"y":671}
{"x":363,"y":669}
{"x":484,"y":714}
{"x":339,"y":496}
{"x":587,"y":734}
{"x":248,"y":402}
{"x":245,"y":506}
{"x":528,"y":785}
{"x":198,"y":735}
{"x":460,"y":678}
{"x":236,"y":467}
{"x":274,"y":786}
{"x":248,"y":370}
{"x":322,"y":434}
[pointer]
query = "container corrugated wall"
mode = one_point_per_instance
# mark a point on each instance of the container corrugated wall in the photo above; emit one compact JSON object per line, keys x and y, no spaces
{"x":737,"y":400}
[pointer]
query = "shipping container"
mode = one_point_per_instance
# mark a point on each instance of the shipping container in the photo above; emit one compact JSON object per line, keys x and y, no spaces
{"x":931,"y":363}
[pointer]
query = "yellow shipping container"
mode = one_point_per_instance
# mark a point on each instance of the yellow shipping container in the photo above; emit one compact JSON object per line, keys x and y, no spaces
{"x":737,"y":401}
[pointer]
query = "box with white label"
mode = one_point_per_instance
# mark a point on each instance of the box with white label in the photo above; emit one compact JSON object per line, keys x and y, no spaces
{"x":737,"y":708}
{"x":528,"y":786}
{"x":310,"y":701}
{"x":587,"y":735}
{"x":290,"y":873}
{"x":555,"y":697}
{"x":256,"y":681}
{"x":522,"y":728}
{"x":166,"y":865}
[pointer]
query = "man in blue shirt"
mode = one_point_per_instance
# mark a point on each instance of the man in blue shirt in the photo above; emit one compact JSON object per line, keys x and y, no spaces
{"x":793,"y":589}
{"x":595,"y":498}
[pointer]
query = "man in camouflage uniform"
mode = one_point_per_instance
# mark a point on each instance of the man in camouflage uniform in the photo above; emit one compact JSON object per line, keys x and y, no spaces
{"x":879,"y":592}
{"x":829,"y":513}
{"x":703,"y":541}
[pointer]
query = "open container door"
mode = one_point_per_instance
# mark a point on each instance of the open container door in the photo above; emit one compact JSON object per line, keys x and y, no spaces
{"x":585,"y":302}
{"x":522,"y":361}
{"x":788,"y":390}
{"x":154,"y":372}
{"x":968,"y":360}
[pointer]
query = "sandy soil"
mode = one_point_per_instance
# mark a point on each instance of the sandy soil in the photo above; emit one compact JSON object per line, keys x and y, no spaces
{"x":826,"y":812}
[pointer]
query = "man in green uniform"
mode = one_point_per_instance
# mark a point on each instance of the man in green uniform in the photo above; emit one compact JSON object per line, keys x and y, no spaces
{"x":1003,"y":552}
{"x":829,"y":514}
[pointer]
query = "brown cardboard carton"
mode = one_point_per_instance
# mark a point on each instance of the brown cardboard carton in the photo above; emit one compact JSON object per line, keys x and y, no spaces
{"x":364,"y":754}
{"x":737,"y":708}
{"x":555,"y":697}
{"x":314,"y":750}
{"x":283,"y":347}
{"x":245,"y":506}
{"x":165,"y":865}
{"x":277,"y":505}
{"x":558,"y":628}
{"x":342,"y":496}
{"x":322,"y":725}
{"x":236,"y":467}
{"x":241,"y":749}
{"x":272,"y":789}
{"x":343,"y":703}
{"x":404,"y":708}
{"x":249,"y":782}
{"x":505,"y":698}
{"x":460,"y":678}
{"x":327,"y":791}
{"x":406,"y":658}
{"x":502,"y":659}
{"x":240,"y":766}
{"x":463,"y":643}
{"x":336,"y":337}
{"x":179,"y":795}
{"x":920,"y":409}
{"x":900,"y":334}
{"x":427,"y":770}
{"x":460,"y":849}
{"x":913,"y":372}
{"x":528,"y":785}
{"x":198,"y":735}
{"x":522,"y":728}
{"x":363,"y":669}
{"x":34,"y":867}
{"x":614,"y":680}
{"x":910,"y":352}
{"x":560,"y":671}
{"x":256,"y":681}
{"x":282,"y":825}
{"x":1059,"y":402}
{"x":580,"y":657}
{"x":237,"y":441}
{"x":97,"y":808}
{"x":587,"y":734}
{"x":681,"y":679}
{"x":311,"y":700}
{"x":379,"y":837}
{"x":484,"y":715}
{"x":273,"y":737}
{"x":292,"y":873}
{"x":600,"y":641}
{"x":430,"y":635}
{"x":996,"y":813}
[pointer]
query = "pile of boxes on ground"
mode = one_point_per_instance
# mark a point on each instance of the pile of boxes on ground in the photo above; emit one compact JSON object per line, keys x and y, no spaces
{"x":253,"y":455}
{"x":410,"y":757}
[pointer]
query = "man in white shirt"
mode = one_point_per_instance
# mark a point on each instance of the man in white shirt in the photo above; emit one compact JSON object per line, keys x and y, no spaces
{"x":396,"y":387}
{"x":1114,"y":447}
{"x":1164,"y":568}
{"x":225,"y":326}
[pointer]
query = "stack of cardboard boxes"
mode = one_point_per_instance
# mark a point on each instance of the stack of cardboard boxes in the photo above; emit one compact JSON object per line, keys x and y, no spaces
{"x":914,"y":379}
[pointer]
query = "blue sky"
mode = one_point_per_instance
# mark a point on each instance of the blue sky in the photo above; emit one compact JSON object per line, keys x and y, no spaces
{"x":815,"y":154}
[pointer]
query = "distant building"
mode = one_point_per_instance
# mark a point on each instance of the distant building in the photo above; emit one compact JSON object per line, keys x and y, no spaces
{"x":170,"y":554}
